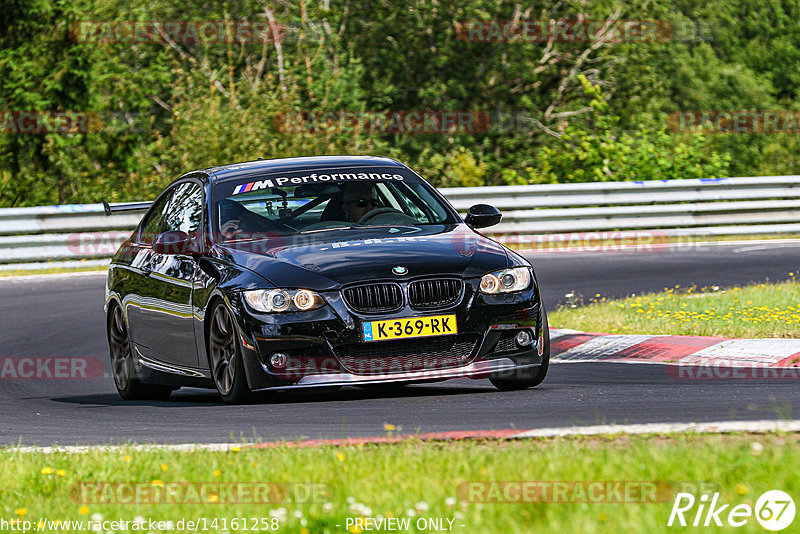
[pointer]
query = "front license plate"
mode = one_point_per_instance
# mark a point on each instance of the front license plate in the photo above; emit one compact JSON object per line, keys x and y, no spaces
{"x":433,"y":325}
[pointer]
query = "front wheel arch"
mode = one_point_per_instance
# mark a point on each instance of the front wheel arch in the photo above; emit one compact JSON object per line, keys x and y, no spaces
{"x":239,"y":391}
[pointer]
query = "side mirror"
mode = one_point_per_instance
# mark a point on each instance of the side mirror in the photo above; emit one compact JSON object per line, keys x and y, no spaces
{"x":174,"y":242}
{"x":483,"y":216}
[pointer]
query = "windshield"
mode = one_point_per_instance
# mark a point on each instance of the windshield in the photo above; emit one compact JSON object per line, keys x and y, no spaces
{"x":301,"y":203}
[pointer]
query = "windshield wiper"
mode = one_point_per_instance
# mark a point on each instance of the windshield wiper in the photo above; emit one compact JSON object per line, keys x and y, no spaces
{"x":408,"y":226}
{"x":327,"y":229}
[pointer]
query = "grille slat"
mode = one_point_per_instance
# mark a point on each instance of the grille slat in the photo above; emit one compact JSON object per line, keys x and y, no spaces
{"x":432,"y":294}
{"x":374,"y":298}
{"x":388,"y":296}
{"x":407,"y":355}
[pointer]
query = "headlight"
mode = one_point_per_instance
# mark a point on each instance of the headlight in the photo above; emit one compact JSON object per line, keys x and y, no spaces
{"x":506,"y":281}
{"x":283,"y":300}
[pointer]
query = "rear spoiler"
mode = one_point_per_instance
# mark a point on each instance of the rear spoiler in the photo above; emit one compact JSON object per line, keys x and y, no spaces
{"x":125,"y":206}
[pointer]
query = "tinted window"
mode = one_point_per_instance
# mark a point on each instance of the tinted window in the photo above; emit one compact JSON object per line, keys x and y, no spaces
{"x":154,"y":220}
{"x":185,"y":209}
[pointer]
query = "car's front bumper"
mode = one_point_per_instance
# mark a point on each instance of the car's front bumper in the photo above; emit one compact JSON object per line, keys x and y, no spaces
{"x":319,"y":337}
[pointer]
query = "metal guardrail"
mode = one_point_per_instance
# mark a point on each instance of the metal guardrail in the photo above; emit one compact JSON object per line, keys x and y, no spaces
{"x":700,"y":204}
{"x":716,"y":206}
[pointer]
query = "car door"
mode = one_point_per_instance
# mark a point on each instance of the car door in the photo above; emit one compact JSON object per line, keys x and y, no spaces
{"x":139,"y":292}
{"x":166,"y":311}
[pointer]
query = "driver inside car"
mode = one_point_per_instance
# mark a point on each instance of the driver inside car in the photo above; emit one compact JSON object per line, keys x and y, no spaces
{"x":230,"y":217}
{"x":359,"y":199}
{"x":237,"y":222}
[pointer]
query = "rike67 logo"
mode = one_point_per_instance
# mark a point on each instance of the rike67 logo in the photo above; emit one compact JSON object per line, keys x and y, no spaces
{"x":774,"y":510}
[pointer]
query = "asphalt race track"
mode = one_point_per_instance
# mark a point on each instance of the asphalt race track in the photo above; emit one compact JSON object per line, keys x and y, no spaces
{"x":63,"y":316}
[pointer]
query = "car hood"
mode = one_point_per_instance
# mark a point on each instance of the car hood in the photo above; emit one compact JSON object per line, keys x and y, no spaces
{"x":327,"y":260}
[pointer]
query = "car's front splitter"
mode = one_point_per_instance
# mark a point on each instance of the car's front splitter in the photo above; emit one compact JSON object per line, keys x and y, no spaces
{"x":475,"y":370}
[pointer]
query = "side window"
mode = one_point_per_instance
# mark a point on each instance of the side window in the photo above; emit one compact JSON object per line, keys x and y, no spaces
{"x":185,"y":209}
{"x":154,"y":222}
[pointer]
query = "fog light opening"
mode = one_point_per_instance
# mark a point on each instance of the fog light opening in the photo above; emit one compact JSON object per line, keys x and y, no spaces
{"x":523,"y":338}
{"x":278,"y":360}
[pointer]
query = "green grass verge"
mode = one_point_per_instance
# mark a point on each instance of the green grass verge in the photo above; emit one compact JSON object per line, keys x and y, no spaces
{"x":414,"y":479}
{"x":52,"y":270}
{"x":762,"y":310}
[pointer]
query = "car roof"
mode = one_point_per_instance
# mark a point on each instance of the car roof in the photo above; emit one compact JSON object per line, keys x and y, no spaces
{"x":237,"y":171}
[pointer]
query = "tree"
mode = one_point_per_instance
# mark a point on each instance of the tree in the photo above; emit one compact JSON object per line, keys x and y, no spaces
{"x":44,"y":70}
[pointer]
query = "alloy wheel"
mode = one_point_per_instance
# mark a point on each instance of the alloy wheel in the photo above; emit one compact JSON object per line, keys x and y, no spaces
{"x":222,"y":349}
{"x":120,"y":349}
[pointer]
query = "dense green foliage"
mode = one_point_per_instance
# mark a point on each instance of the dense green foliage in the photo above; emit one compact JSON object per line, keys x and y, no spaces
{"x":571,"y":110}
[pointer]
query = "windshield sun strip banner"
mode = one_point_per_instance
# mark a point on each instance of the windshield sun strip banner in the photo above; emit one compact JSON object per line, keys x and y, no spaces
{"x":314,"y":178}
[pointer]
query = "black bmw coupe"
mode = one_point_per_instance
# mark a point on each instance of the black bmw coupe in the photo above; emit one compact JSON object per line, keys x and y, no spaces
{"x":317,"y":272}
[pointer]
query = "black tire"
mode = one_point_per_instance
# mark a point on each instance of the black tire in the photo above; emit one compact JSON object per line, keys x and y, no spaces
{"x":531,"y":376}
{"x":225,"y":357}
{"x":128,"y":386}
